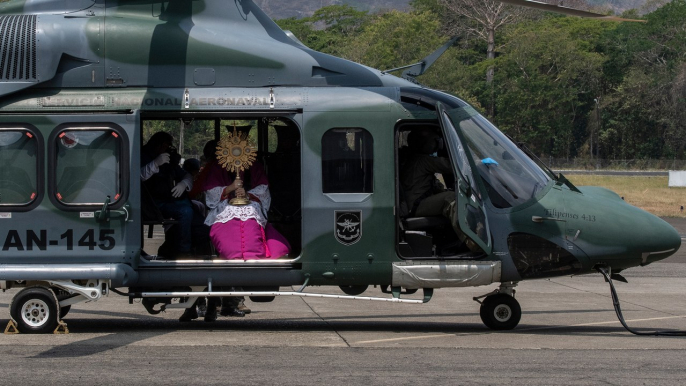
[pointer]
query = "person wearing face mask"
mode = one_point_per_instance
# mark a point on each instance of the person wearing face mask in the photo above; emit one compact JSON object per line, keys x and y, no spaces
{"x":423,"y":194}
{"x":168,"y":185}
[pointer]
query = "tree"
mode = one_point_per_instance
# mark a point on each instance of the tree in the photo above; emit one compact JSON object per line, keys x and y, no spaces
{"x":393,"y":39}
{"x":645,"y":112}
{"x":548,"y":75}
{"x":481,"y":18}
{"x":328,"y":29}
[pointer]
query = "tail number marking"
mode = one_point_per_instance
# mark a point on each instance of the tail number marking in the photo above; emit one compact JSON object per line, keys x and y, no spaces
{"x":39,"y":240}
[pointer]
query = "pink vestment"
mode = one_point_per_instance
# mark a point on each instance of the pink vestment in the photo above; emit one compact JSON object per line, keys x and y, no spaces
{"x":242,"y":232}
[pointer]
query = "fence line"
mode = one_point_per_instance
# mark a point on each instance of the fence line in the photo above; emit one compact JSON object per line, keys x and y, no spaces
{"x":613,"y":164}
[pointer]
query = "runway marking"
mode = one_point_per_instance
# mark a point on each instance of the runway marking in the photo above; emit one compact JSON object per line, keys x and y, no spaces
{"x":602,"y":323}
{"x":518,"y":330}
{"x":405,"y":338}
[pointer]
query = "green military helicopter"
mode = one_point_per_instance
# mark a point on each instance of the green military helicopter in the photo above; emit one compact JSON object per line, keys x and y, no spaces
{"x":79,"y":79}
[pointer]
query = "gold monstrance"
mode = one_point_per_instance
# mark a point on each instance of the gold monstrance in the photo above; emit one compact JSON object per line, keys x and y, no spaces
{"x":235,"y":153}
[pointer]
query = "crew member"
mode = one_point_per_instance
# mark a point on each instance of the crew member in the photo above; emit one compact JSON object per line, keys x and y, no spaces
{"x":167,"y":182}
{"x":424,"y":195}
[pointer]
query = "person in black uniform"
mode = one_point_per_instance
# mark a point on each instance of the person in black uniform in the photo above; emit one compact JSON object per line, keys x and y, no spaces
{"x":167,"y":182}
{"x":424,"y":195}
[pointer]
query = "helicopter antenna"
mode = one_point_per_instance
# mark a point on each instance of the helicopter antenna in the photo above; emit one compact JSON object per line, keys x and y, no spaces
{"x":414,"y":70}
{"x":560,"y":8}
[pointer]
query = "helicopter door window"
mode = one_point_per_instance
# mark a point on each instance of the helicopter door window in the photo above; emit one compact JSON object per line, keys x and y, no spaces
{"x":88,"y":166}
{"x":510,"y":176}
{"x":347,"y":161}
{"x":20,"y":157}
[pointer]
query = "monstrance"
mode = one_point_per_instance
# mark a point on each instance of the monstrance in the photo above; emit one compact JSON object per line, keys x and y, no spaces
{"x":235,"y":153}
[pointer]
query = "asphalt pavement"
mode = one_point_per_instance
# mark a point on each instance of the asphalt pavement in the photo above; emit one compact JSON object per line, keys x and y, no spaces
{"x":568,"y":334}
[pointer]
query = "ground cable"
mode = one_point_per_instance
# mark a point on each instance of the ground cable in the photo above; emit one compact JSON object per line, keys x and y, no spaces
{"x":618,"y":311}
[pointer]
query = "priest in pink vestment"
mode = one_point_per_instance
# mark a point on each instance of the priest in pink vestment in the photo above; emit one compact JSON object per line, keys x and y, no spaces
{"x":242,"y":232}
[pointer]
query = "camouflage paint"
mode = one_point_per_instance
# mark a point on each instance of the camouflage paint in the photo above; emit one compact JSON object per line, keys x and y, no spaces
{"x":109,"y":61}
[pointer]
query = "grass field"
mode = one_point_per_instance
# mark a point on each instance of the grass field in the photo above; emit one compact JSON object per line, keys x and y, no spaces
{"x":648,"y":193}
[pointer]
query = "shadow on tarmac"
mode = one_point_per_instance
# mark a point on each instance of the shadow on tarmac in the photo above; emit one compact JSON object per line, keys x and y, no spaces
{"x":121,"y":333}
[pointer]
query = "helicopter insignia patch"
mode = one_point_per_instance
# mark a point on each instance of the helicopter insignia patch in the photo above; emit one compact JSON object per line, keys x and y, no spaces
{"x":348,"y":226}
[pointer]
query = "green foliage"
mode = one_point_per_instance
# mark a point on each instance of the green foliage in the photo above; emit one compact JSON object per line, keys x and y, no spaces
{"x":549,"y":72}
{"x":328,"y":29}
{"x":394,"y":39}
{"x":194,"y":137}
{"x":546,"y":79}
{"x":340,"y":19}
{"x":644,"y":115}
{"x":433,"y":6}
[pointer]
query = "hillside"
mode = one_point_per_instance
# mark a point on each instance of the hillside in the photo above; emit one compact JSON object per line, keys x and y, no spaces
{"x":279,"y":9}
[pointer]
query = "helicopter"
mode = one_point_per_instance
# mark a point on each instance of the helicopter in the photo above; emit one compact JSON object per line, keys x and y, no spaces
{"x":80,"y":78}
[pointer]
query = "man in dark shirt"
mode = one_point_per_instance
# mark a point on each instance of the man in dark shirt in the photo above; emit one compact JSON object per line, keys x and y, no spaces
{"x":418,"y":175}
{"x":167,"y":182}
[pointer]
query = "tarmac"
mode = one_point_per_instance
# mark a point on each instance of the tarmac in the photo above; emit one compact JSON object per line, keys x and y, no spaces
{"x":568,"y":334}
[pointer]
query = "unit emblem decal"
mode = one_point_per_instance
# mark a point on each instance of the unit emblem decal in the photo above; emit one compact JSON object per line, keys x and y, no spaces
{"x":348,"y":226}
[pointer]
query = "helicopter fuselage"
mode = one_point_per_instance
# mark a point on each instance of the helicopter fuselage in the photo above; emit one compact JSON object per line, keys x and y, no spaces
{"x":83,"y":68}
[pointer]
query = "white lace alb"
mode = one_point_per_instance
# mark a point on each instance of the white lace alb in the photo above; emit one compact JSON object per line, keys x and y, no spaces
{"x":221,"y":211}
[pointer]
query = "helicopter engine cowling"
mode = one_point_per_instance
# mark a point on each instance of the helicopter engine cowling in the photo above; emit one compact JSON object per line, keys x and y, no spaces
{"x":45,"y":48}
{"x":122,"y":43}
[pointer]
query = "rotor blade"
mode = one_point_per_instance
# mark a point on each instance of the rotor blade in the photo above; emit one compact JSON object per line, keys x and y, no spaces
{"x":565,"y":10}
{"x":421,"y":67}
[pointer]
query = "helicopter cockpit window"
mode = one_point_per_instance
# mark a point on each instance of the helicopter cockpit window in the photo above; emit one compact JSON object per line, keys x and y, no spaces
{"x":511,"y":177}
{"x":19,"y":151}
{"x":347,"y":161}
{"x":88,"y":166}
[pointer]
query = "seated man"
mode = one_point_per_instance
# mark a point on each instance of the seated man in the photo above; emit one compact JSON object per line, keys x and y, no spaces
{"x":200,"y":233}
{"x":167,"y":182}
{"x":424,"y":195}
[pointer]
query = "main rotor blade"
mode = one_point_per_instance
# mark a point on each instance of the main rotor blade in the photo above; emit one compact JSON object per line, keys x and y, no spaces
{"x":565,"y":10}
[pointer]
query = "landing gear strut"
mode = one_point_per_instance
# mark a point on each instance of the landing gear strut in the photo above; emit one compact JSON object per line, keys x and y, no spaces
{"x":500,"y":310}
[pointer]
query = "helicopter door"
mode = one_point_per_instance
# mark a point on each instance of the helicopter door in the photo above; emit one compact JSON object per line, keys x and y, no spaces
{"x":471,"y":214}
{"x":89,"y":215}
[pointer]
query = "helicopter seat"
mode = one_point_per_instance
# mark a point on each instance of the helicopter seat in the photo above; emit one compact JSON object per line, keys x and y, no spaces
{"x":425,"y":223}
{"x":421,"y":235}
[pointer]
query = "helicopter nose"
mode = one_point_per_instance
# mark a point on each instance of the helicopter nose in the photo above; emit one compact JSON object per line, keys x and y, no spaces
{"x":658,"y":241}
{"x":614,"y":233}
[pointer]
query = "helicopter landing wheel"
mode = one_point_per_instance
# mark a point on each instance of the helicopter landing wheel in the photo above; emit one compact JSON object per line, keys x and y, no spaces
{"x":34,"y":309}
{"x":500,"y":312}
{"x":353,"y":290}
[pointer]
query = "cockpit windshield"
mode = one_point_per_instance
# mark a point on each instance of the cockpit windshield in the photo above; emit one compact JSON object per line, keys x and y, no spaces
{"x":510,"y":176}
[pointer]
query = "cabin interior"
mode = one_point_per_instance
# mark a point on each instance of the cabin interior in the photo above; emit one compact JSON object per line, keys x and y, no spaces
{"x":278,"y":150}
{"x":427,"y":237}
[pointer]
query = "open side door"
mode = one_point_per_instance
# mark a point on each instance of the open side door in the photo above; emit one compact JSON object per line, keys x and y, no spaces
{"x":470,"y":194}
